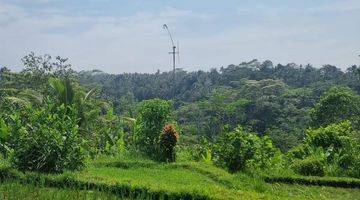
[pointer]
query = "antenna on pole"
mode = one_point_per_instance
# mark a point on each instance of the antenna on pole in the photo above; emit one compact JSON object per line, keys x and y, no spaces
{"x":173,"y":52}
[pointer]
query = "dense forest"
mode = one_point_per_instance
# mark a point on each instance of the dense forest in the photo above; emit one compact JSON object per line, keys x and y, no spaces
{"x":267,"y":99}
{"x":250,"y":118}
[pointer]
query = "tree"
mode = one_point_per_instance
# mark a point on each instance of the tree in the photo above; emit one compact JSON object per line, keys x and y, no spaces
{"x":63,"y":90}
{"x":152,"y":117}
{"x":330,"y":72}
{"x":336,"y":105}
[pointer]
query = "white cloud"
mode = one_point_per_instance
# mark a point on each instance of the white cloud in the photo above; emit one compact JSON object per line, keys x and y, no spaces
{"x":137,"y":43}
{"x":133,"y":43}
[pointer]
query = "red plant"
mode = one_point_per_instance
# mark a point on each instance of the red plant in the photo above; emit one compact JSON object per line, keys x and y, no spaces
{"x":168,"y":139}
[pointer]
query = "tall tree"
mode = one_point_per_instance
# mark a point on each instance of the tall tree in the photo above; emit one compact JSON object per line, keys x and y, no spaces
{"x":336,"y":105}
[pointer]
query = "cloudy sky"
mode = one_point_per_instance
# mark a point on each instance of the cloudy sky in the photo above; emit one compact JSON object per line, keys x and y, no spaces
{"x":127,"y":36}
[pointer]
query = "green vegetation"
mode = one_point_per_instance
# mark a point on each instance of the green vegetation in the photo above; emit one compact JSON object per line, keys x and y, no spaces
{"x":153,"y":116}
{"x":29,"y":192}
{"x":336,"y":105}
{"x":310,"y":166}
{"x":46,"y":140}
{"x":168,"y":140}
{"x":312,"y":180}
{"x":252,"y":131}
{"x":143,"y":178}
{"x":239,"y":150}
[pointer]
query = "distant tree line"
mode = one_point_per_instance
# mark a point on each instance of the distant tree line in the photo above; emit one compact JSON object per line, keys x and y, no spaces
{"x":267,"y":98}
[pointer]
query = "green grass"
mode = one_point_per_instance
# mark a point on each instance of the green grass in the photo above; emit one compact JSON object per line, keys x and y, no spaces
{"x":144,"y":179}
{"x":180,"y":178}
{"x":12,"y":190}
{"x":290,"y":177}
{"x":284,"y":191}
{"x":203,"y":179}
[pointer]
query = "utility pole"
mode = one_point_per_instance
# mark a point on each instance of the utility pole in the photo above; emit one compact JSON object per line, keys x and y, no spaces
{"x":174,"y":52}
{"x":174,"y":57}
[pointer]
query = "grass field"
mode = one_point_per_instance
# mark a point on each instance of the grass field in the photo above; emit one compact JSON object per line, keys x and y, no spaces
{"x":126,"y":177}
{"x":12,"y":190}
{"x":207,"y":180}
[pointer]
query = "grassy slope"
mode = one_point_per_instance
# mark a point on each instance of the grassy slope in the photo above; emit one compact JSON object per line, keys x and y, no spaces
{"x":186,"y":178}
{"x":12,"y":190}
{"x":198,"y":178}
{"x":173,"y":178}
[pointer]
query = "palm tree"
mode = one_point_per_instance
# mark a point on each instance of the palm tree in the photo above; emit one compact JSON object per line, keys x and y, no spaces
{"x":63,"y":89}
{"x":65,"y":92}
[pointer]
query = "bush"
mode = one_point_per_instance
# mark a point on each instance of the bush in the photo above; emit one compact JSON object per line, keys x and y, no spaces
{"x":348,"y":161}
{"x":168,"y":140}
{"x":310,"y":166}
{"x":298,"y":152}
{"x":336,"y":145}
{"x":239,"y":149}
{"x":200,"y":149}
{"x":336,"y":136}
{"x":152,"y":117}
{"x":46,"y":140}
{"x":108,"y":135}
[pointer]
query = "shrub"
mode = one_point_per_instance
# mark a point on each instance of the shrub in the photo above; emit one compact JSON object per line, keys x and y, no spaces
{"x":46,"y":140}
{"x":168,"y":140}
{"x":310,"y":166}
{"x":298,"y":152}
{"x":266,"y":154}
{"x":333,"y":135}
{"x":109,"y":135}
{"x":200,"y":149}
{"x":348,"y":161}
{"x":335,"y":144}
{"x":152,"y":117}
{"x":239,"y":149}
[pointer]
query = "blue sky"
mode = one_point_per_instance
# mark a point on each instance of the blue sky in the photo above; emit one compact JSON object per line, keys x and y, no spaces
{"x":127,"y":36}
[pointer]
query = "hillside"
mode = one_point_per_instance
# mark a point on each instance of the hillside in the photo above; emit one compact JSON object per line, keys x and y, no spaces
{"x":252,"y":131}
{"x":131,"y":178}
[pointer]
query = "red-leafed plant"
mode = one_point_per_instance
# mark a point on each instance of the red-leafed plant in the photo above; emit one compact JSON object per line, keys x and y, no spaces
{"x":168,"y":139}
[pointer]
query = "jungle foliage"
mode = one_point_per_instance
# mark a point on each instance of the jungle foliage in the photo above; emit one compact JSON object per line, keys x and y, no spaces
{"x":251,"y":117}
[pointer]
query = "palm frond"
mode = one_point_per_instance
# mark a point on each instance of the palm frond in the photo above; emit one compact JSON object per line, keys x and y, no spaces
{"x":63,"y":89}
{"x":88,"y":94}
{"x":32,"y":96}
{"x":18,"y":101}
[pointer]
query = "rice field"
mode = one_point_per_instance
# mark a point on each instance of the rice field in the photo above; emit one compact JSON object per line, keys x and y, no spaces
{"x":139,"y":178}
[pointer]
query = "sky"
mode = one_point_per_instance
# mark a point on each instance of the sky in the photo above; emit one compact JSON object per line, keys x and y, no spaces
{"x":118,"y":36}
